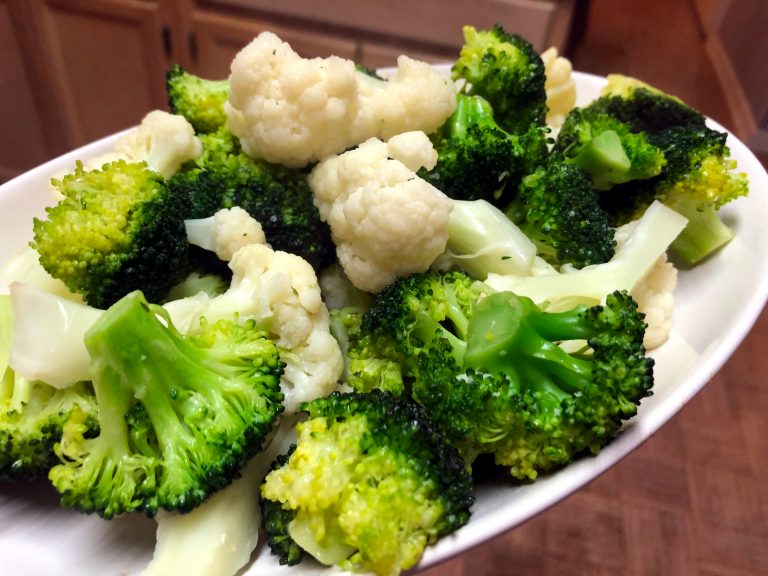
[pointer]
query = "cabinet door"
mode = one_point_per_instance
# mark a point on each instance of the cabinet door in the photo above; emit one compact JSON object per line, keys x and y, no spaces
{"x":216,"y":38}
{"x":104,"y":63}
{"x":24,"y":142}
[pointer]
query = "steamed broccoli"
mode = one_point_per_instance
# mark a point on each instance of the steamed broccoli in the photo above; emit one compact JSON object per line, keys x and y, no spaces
{"x":223,"y":176}
{"x":32,"y":418}
{"x":199,"y":100}
{"x":607,"y":148}
{"x":369,"y":484}
{"x":116,"y":229}
{"x":559,"y":211}
{"x":507,"y":71}
{"x":519,"y":395}
{"x":698,"y":178}
{"x":176,"y":425}
{"x":488,"y":367}
{"x":477,"y":159}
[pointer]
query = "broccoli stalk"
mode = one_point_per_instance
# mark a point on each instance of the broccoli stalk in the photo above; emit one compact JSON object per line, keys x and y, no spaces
{"x":369,"y":484}
{"x":179,"y":415}
{"x":117,"y":229}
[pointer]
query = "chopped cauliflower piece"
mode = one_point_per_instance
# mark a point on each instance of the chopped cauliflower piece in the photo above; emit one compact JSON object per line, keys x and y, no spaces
{"x":385,"y":220}
{"x":293,"y":111}
{"x":163,"y":140}
{"x":559,"y":85}
{"x":225,"y":232}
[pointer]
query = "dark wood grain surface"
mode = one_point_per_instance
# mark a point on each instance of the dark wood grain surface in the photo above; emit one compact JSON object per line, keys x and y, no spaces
{"x":694,"y":498}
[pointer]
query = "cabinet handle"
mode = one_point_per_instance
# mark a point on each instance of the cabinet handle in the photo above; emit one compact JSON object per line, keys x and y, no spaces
{"x":167,"y":41}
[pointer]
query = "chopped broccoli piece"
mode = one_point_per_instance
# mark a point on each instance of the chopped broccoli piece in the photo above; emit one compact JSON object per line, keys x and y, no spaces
{"x":521,"y":396}
{"x":117,"y":229}
{"x":223,"y":176}
{"x":175,"y":426}
{"x":698,"y":179}
{"x":199,"y":100}
{"x":607,"y":149}
{"x":488,"y":369}
{"x":32,"y":417}
{"x":507,"y":71}
{"x":477,"y":159}
{"x":559,"y":211}
{"x":371,"y":483}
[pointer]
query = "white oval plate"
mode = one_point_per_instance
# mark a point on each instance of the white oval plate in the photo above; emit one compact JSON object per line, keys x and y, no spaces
{"x":716,"y":305}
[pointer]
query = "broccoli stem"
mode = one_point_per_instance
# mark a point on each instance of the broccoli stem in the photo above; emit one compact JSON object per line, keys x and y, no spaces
{"x":603,"y":157}
{"x":704,"y":234}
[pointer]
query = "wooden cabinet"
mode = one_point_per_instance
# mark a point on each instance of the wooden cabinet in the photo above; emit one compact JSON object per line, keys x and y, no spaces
{"x":75,"y":70}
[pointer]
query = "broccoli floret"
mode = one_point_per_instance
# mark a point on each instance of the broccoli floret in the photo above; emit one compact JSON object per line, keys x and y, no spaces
{"x":507,"y":71}
{"x":116,"y":229}
{"x":402,"y":321}
{"x":607,"y":149}
{"x":477,"y":159}
{"x":699,"y":178}
{"x":371,"y":482}
{"x":518,"y":394}
{"x":199,"y":100}
{"x":32,"y":417}
{"x":223,"y":176}
{"x":176,"y":425}
{"x":488,"y":369}
{"x":559,"y":211}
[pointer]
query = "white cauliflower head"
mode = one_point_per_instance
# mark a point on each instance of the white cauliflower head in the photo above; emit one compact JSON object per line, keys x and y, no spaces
{"x":559,"y":85}
{"x":385,"y":220}
{"x":163,"y":140}
{"x":224,"y":233}
{"x":293,"y":111}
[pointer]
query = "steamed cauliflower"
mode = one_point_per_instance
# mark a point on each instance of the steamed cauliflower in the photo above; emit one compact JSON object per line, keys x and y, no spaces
{"x":225,"y":232}
{"x":281,"y":293}
{"x":559,"y":85}
{"x":293,"y":111}
{"x":163,"y":140}
{"x":385,"y":220}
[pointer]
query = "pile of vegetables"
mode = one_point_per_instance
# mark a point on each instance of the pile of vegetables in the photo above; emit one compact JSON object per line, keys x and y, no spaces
{"x":308,"y":298}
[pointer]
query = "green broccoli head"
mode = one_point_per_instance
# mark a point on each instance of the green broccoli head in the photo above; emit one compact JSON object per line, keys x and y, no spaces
{"x":607,"y":149}
{"x":175,"y":426}
{"x":116,"y":229}
{"x":477,"y":159}
{"x":699,"y":178}
{"x":32,"y":418}
{"x":277,"y":196}
{"x":199,"y":100}
{"x":370,"y":482}
{"x":559,"y":211}
{"x":518,"y":394}
{"x":507,"y":71}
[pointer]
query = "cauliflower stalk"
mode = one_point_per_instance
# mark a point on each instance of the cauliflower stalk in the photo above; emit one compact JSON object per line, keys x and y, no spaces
{"x":293,"y":111}
{"x":225,"y":232}
{"x":385,"y":220}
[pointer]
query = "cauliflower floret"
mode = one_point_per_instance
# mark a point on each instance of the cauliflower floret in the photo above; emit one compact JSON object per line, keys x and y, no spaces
{"x":225,"y":232}
{"x":165,"y":141}
{"x":559,"y":85}
{"x":281,"y":292}
{"x":292,"y":110}
{"x":385,"y":220}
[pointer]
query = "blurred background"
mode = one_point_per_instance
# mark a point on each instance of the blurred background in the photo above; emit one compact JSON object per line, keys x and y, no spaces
{"x":692,"y":500}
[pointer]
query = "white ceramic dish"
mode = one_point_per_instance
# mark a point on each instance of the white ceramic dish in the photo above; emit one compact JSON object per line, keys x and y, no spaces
{"x":717,"y":304}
